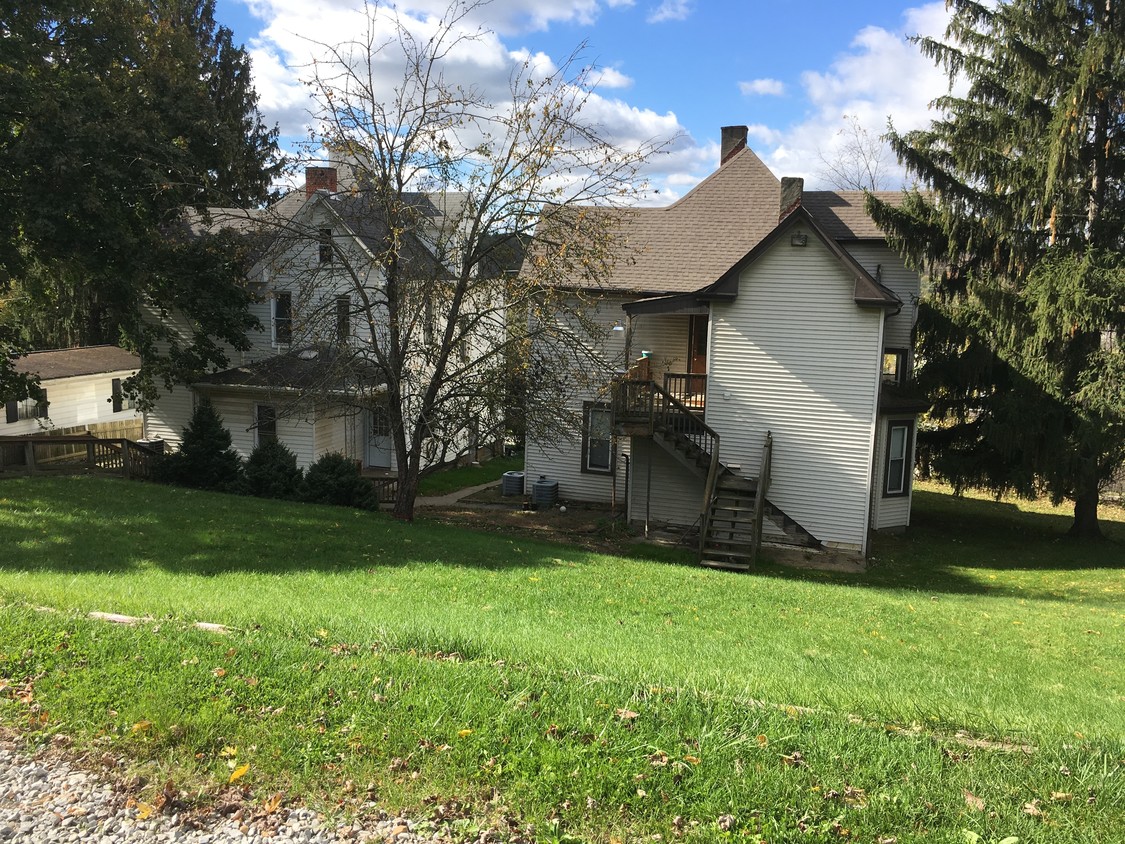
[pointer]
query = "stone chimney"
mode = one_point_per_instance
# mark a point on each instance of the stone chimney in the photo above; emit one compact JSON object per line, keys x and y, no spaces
{"x":319,"y":178}
{"x":734,"y":141}
{"x":791,"y":190}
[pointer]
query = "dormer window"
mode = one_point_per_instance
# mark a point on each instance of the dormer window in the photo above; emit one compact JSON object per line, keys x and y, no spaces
{"x":325,"y":246}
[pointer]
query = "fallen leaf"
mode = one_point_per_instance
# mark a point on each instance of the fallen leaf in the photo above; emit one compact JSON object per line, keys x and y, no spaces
{"x":627,"y":714}
{"x":762,"y":741}
{"x":145,"y":811}
{"x":219,"y":672}
{"x":228,"y":751}
{"x":1062,"y":796}
{"x":972,"y":801}
{"x":796,"y":759}
{"x":239,"y":772}
{"x":464,"y":733}
{"x":142,"y":726}
{"x":272,"y":805}
{"x":1032,"y":808}
{"x":695,"y":760}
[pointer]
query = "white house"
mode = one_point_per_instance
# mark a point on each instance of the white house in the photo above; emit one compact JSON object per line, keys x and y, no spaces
{"x":751,"y":318}
{"x":309,"y":377}
{"x":81,"y":391}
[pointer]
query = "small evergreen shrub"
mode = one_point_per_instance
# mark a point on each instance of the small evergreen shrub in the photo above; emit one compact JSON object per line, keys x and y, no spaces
{"x":335,"y":479}
{"x":272,"y":472}
{"x":205,"y":459}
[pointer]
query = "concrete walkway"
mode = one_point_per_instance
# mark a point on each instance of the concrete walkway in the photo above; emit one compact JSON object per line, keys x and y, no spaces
{"x":452,"y":497}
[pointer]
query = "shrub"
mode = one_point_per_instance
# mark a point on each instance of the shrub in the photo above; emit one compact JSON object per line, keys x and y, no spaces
{"x":335,"y":479}
{"x":205,"y":459}
{"x":271,"y":472}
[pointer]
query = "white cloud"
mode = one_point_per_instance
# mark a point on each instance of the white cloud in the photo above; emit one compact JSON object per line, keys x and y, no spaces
{"x":608,"y":77}
{"x":882,"y":76}
{"x":762,"y":87}
{"x":670,"y":10}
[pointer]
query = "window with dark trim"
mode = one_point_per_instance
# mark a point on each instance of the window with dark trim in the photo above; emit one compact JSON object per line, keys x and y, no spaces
{"x":32,"y":408}
{"x":896,"y":476}
{"x":116,"y":396}
{"x":894,"y":366}
{"x":597,"y":438}
{"x":282,"y":317}
{"x":265,"y":421}
{"x":324,"y":243}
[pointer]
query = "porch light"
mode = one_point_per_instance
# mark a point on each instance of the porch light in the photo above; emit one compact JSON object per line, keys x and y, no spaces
{"x":617,"y":326}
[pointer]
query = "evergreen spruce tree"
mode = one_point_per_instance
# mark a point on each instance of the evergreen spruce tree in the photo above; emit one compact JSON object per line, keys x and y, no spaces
{"x":206,"y":459}
{"x":1022,"y":229}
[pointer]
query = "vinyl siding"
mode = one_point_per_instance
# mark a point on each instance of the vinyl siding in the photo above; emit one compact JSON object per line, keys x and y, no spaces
{"x":794,"y":355}
{"x":169,"y":416}
{"x":890,"y":512}
{"x":73,"y":402}
{"x":672,"y":494}
{"x":881,"y":261}
{"x":558,"y":455}
{"x":237,"y":411}
{"x":666,"y":336}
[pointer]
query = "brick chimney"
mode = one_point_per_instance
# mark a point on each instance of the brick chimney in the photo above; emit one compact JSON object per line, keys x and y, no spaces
{"x":734,"y":141}
{"x":319,"y":178}
{"x":791,"y":190}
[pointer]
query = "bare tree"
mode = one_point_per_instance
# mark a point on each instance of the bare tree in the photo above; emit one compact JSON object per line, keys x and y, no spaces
{"x":858,"y":161}
{"x":445,"y":189}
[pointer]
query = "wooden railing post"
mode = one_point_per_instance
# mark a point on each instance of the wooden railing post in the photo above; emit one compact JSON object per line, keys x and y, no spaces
{"x":760,"y":498}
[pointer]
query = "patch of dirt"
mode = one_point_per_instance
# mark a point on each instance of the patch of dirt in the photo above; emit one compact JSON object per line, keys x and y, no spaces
{"x":580,"y":525}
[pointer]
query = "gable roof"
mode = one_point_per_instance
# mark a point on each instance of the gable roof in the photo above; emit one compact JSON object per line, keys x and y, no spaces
{"x":300,"y":369}
{"x":687,"y":245}
{"x":71,"y":363}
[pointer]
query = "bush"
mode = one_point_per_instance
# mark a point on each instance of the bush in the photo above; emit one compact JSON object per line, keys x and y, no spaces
{"x":335,"y":479}
{"x":272,"y":472}
{"x":205,"y":459}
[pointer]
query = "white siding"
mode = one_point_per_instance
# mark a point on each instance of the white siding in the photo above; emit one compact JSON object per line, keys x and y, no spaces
{"x":793,"y":354}
{"x":676,"y":493}
{"x":881,"y":261}
{"x":170,"y":415}
{"x":238,"y":413}
{"x":559,"y":454}
{"x":666,"y":336}
{"x":73,"y":402}
{"x":890,"y":512}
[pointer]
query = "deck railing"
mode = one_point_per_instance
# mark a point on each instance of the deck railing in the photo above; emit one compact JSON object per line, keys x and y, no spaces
{"x":646,"y":402}
{"x":690,"y":388}
{"x":80,"y":452}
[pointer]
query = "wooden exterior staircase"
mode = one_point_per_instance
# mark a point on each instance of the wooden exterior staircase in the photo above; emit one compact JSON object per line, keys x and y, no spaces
{"x":734,"y":506}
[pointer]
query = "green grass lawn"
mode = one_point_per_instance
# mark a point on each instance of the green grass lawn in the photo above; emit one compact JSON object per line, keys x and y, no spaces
{"x":589,"y":694}
{"x":460,"y":477}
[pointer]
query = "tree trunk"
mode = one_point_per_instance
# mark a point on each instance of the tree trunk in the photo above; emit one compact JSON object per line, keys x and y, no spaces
{"x":407,"y":492}
{"x":1086,"y":514}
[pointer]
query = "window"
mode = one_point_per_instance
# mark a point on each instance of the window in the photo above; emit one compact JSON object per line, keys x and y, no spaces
{"x":894,"y":366}
{"x":896,"y":479}
{"x":31,"y":408}
{"x":343,"y":318}
{"x":265,"y":420}
{"x":118,"y":397}
{"x":283,"y":317}
{"x":597,"y":438}
{"x":325,"y":246}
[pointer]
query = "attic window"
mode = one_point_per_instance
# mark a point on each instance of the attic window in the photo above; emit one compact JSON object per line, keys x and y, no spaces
{"x":325,"y":240}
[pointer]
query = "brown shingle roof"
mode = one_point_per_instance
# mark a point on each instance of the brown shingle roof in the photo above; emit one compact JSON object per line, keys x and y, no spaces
{"x":70,"y":363}
{"x":689,"y":244}
{"x":841,"y":213}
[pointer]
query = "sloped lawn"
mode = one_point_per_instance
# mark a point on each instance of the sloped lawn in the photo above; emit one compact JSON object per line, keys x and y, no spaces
{"x":978,"y":663}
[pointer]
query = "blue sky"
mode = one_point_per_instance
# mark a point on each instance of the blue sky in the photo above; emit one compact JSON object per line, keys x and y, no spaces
{"x":790,"y":70}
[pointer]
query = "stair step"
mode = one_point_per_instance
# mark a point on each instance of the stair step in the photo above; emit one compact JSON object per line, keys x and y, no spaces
{"x":732,"y":543}
{"x":725,"y":564}
{"x":727,"y":509}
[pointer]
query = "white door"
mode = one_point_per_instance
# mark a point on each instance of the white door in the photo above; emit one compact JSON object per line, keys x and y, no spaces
{"x":378,"y":438}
